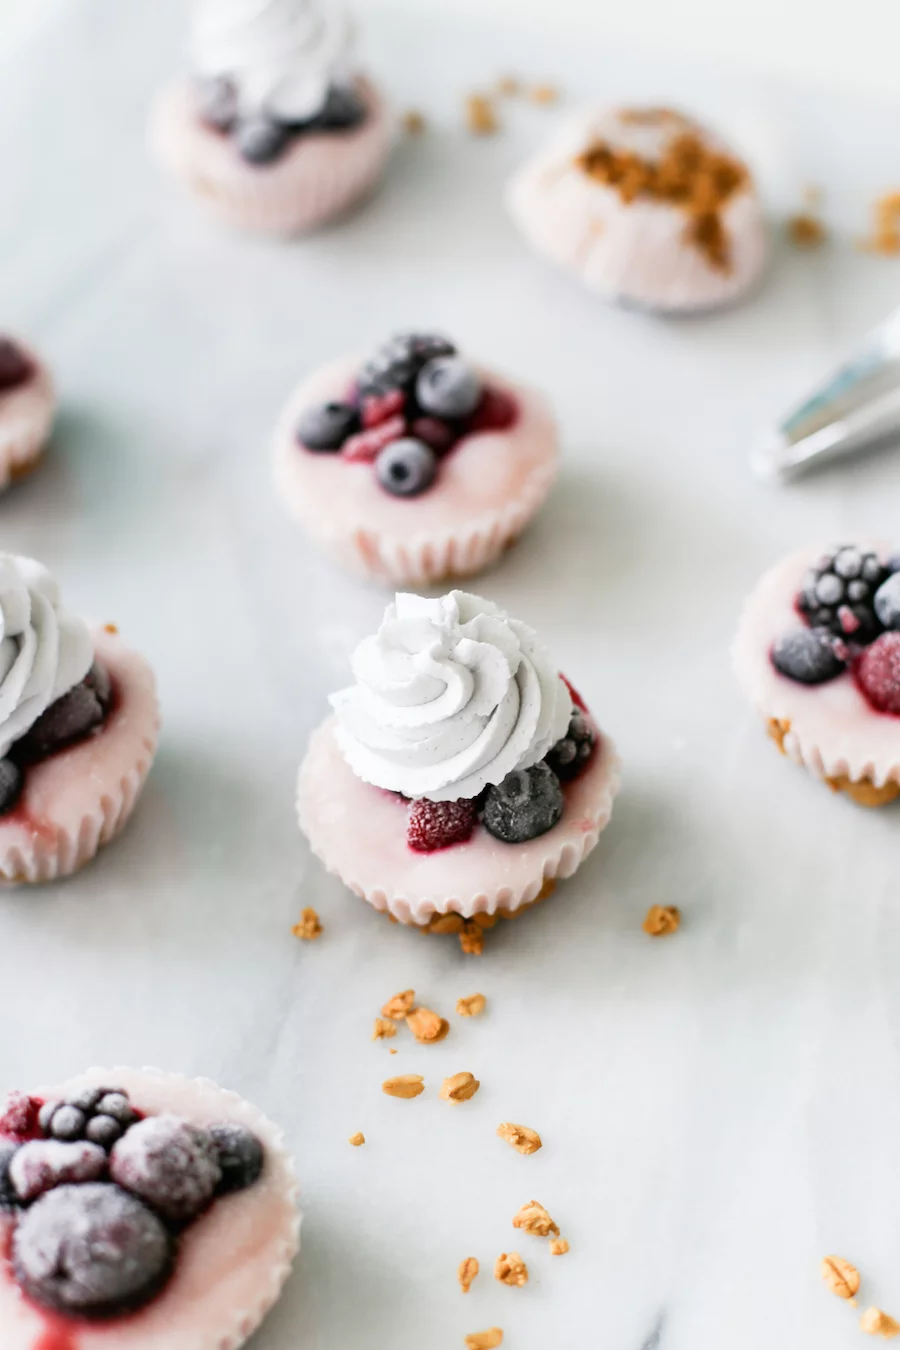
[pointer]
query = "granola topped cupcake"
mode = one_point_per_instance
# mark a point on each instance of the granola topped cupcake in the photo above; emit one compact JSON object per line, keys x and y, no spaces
{"x":461,"y":776}
{"x":78,"y":729}
{"x":27,"y":405}
{"x":275,"y":129}
{"x":415,"y":464}
{"x":818,"y":653}
{"x":140,"y":1209}
{"x":647,"y":207}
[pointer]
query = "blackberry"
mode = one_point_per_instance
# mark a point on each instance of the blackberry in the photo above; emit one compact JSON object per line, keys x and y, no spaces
{"x":839,"y":592}
{"x":397,"y":362}
{"x":99,"y":1114}
{"x":70,"y":719}
{"x":569,"y":756}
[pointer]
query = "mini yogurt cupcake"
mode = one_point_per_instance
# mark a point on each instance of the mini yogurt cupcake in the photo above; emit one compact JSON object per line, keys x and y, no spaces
{"x":415,"y":465}
{"x":647,"y":207}
{"x":142,"y":1210}
{"x":818,"y":653}
{"x":78,"y":729}
{"x":27,"y":405}
{"x":461,"y":777}
{"x":275,"y":130}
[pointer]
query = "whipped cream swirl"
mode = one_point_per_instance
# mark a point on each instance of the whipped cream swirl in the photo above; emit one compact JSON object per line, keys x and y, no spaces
{"x":450,"y":696}
{"x":282,"y":55}
{"x":44,"y":651}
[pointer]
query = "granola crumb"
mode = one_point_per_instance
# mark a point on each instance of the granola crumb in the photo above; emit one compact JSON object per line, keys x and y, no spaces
{"x":471,"y":1006}
{"x":468,"y":1269}
{"x":414,"y":123}
{"x":484,"y":1340}
{"x":393,"y":1051}
{"x":544,"y":93}
{"x":662,"y":920}
{"x":460,"y":1087}
{"x":112,"y":628}
{"x":471,"y":939}
{"x":481,"y":117}
{"x":427,"y":1026}
{"x":878,"y":1323}
{"x":885,"y":236}
{"x":397,"y":1007}
{"x":805,"y":230}
{"x":309,"y":927}
{"x":357,"y":1139}
{"x":841,"y":1277}
{"x":520,"y":1137}
{"x":510,"y":1269}
{"x":404,"y":1085}
{"x":533,"y":1218}
{"x":508,"y":86}
{"x":383,"y":1029}
{"x":559,"y":1246}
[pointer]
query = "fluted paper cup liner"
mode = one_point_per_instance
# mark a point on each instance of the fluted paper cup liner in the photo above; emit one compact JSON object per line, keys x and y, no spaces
{"x":319,"y":176}
{"x":77,"y":800}
{"x":26,"y":419}
{"x":359,"y":833}
{"x":232,"y":1261}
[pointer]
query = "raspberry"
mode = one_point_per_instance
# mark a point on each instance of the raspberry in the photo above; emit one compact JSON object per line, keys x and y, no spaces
{"x":434,"y":825}
{"x":496,"y":412}
{"x":878,"y":673}
{"x":19,"y":1119}
{"x":378,"y":408}
{"x":439,"y":435}
{"x":366,"y":446}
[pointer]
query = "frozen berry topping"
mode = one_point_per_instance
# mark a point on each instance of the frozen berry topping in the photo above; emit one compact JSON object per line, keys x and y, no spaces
{"x":41,"y":1164}
{"x":877,"y":672}
{"x":396,"y":363}
{"x":448,"y":387}
{"x":169,"y":1164}
{"x":809,"y":655}
{"x":260,"y":138}
{"x":434,"y":825}
{"x":217,"y":102}
{"x":570,"y":755}
{"x":98,"y":1114}
{"x":406,"y":467}
{"x":20,"y":1116}
{"x":7,"y":1194}
{"x":838,"y":593}
{"x":380,"y":408}
{"x":887,"y":602}
{"x":239,"y":1155}
{"x":326,"y":426}
{"x":15,"y":367}
{"x":12,"y":780}
{"x":528,"y":803}
{"x":69,"y":720}
{"x":91,"y":1251}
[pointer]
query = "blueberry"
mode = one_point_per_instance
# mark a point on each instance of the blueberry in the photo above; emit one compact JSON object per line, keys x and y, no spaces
{"x":238,"y":1153}
{"x":68,"y":1123}
{"x":260,"y":140}
{"x":528,"y":802}
{"x":327,"y":425}
{"x":69,"y":720}
{"x":11,"y":782}
{"x":91,"y":1251}
{"x":397,"y":362}
{"x":807,"y":655}
{"x":15,"y":368}
{"x":103,"y":1130}
{"x":217,"y":101}
{"x":448,"y":387}
{"x":169,"y":1164}
{"x":42,"y":1164}
{"x":344,"y":108}
{"x":887,"y":601}
{"x":7,"y":1194}
{"x":45,"y":1115}
{"x":406,"y":467}
{"x":116,"y":1104}
{"x":569,"y":756}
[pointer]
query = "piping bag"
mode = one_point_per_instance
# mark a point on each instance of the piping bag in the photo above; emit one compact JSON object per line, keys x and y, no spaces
{"x":857,"y":404}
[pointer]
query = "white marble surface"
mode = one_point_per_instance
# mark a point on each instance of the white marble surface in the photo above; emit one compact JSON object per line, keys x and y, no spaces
{"x":720,"y":1109}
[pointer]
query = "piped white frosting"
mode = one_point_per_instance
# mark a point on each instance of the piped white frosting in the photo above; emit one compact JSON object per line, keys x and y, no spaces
{"x":451,"y":695}
{"x":283,"y":55}
{"x":44,"y":650}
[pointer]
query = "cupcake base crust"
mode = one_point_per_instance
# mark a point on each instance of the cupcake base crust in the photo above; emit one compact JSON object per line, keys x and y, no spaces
{"x":863,"y":791}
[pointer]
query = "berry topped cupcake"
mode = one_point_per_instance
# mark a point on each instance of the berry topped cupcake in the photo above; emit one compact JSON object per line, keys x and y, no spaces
{"x":818,"y":653}
{"x":78,"y":729}
{"x":27,"y":405}
{"x":143,"y":1210}
{"x":647,"y":207}
{"x":275,"y":130}
{"x":460,"y":777}
{"x":415,"y":464}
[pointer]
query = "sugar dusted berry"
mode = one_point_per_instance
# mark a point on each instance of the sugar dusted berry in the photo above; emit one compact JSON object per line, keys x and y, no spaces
{"x":838,"y":593}
{"x":217,"y":102}
{"x":434,"y":825}
{"x":168,"y":1163}
{"x":239,"y":1154}
{"x":406,"y":468}
{"x":344,"y":109}
{"x":15,"y":367}
{"x":528,"y":803}
{"x":11,"y":783}
{"x":68,"y":1122}
{"x":878,"y":673}
{"x":114,"y":1103}
{"x":397,"y":362}
{"x":260,"y":140}
{"x":439,"y":435}
{"x":41,"y":1164}
{"x":20,"y":1115}
{"x":570,"y":755}
{"x":7,"y":1194}
{"x":448,"y":387}
{"x":103,"y":1130}
{"x":887,"y":601}
{"x":808,"y":655}
{"x":325,"y":426}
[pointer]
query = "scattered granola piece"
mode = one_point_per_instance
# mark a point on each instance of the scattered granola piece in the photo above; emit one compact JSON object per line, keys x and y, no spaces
{"x":357,"y":1139}
{"x":404,"y":1085}
{"x":544,"y":93}
{"x":841,"y":1277}
{"x":509,"y":86}
{"x":533,"y":1218}
{"x":468,"y":1269}
{"x":885,"y":237}
{"x":309,"y":927}
{"x":427,"y":1027}
{"x":520,"y":1137}
{"x":111,"y":628}
{"x":460,"y":1087}
{"x":805,"y":230}
{"x":481,"y":118}
{"x":472,"y":1006}
{"x":559,"y":1246}
{"x":509,"y":1268}
{"x":877,"y":1323}
{"x":485,"y":1340}
{"x":393,"y":1051}
{"x":471,"y":939}
{"x":413,"y":123}
{"x":384,"y":1028}
{"x":662,"y":920}
{"x":397,"y":1007}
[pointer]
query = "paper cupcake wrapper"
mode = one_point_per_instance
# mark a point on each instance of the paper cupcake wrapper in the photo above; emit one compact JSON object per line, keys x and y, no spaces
{"x":26,"y":419}
{"x":318,"y":178}
{"x":79,"y":799}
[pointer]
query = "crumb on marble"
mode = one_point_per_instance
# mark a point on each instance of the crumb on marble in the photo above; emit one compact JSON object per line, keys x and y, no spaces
{"x":471,"y":939}
{"x":511,"y":1270}
{"x":357,"y":1139}
{"x":508,"y":86}
{"x":383,"y":1029}
{"x":484,"y":1340}
{"x":468,"y":1269}
{"x":414,"y":123}
{"x":885,"y":236}
{"x":841,"y":1277}
{"x":661,"y":920}
{"x":806,"y":230}
{"x":533,"y":1218}
{"x":471,"y":1006}
{"x":309,"y":928}
{"x":397,"y":1007}
{"x":544,"y":94}
{"x":481,"y":115}
{"x":112,"y":628}
{"x":559,"y":1246}
{"x":459,"y":1087}
{"x":520,"y":1137}
{"x":877,"y":1323}
{"x":405,"y":1085}
{"x":428,"y":1027}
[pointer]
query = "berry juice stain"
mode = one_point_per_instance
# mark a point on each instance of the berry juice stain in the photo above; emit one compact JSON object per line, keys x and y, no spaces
{"x":57,"y":1336}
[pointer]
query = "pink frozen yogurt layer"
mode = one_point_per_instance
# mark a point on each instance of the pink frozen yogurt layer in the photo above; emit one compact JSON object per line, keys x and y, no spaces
{"x":77,"y":800}
{"x":834,"y":732}
{"x":26,"y":417}
{"x":359,"y":833}
{"x":232,"y":1261}
{"x":489,"y":486}
{"x":318,"y":177}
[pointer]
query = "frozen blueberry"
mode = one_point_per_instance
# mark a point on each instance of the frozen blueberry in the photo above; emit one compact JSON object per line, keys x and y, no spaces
{"x":7,"y":1194}
{"x":217,"y":102}
{"x":406,"y":467}
{"x":170,"y":1164}
{"x":397,"y":362}
{"x":239,"y":1154}
{"x":528,"y":802}
{"x":887,"y":601}
{"x":327,"y":425}
{"x":808,"y":656}
{"x":11,"y":780}
{"x":42,"y":1164}
{"x":15,"y":367}
{"x":116,"y":1104}
{"x":91,"y":1251}
{"x":69,"y":720}
{"x":68,"y":1123}
{"x":260,"y":140}
{"x":448,"y":387}
{"x":344,"y":108}
{"x":569,"y":756}
{"x":103,"y":1130}
{"x":45,"y":1115}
